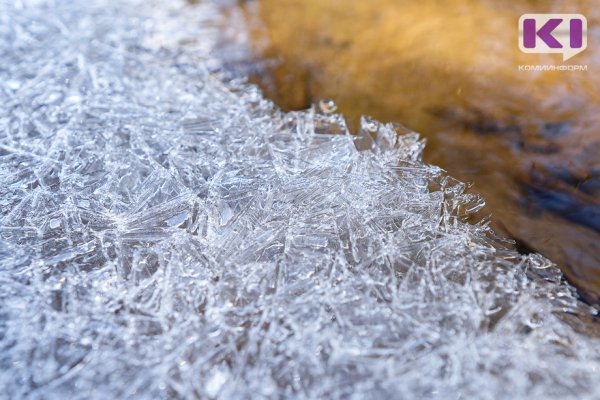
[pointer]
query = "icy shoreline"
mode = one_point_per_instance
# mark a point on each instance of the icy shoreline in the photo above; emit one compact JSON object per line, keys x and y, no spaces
{"x":166,"y":234}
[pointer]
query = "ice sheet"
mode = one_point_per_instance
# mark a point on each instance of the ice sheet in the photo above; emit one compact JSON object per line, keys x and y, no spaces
{"x":166,"y":232}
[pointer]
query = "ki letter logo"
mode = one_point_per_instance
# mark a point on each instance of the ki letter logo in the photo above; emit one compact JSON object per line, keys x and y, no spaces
{"x":553,"y":33}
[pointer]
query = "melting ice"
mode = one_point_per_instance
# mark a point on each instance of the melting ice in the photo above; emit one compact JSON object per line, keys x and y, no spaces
{"x":165,"y":232}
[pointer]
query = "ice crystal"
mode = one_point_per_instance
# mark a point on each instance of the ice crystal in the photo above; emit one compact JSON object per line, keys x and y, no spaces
{"x":165,"y":232}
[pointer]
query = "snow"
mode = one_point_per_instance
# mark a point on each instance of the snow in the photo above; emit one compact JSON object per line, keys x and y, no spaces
{"x":166,"y":232}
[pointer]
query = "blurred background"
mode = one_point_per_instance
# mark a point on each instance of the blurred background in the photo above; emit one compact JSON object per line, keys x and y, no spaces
{"x":529,"y":141}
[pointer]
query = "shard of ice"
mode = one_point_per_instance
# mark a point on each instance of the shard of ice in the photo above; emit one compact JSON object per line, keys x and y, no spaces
{"x":168,"y":233}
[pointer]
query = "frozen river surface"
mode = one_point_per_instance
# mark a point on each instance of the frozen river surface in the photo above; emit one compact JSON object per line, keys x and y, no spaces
{"x":165,"y":232}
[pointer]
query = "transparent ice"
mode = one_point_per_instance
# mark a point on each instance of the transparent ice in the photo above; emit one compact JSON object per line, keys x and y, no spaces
{"x":166,"y":232}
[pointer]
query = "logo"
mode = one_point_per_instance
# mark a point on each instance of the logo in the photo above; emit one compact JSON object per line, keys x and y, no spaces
{"x":553,"y":33}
